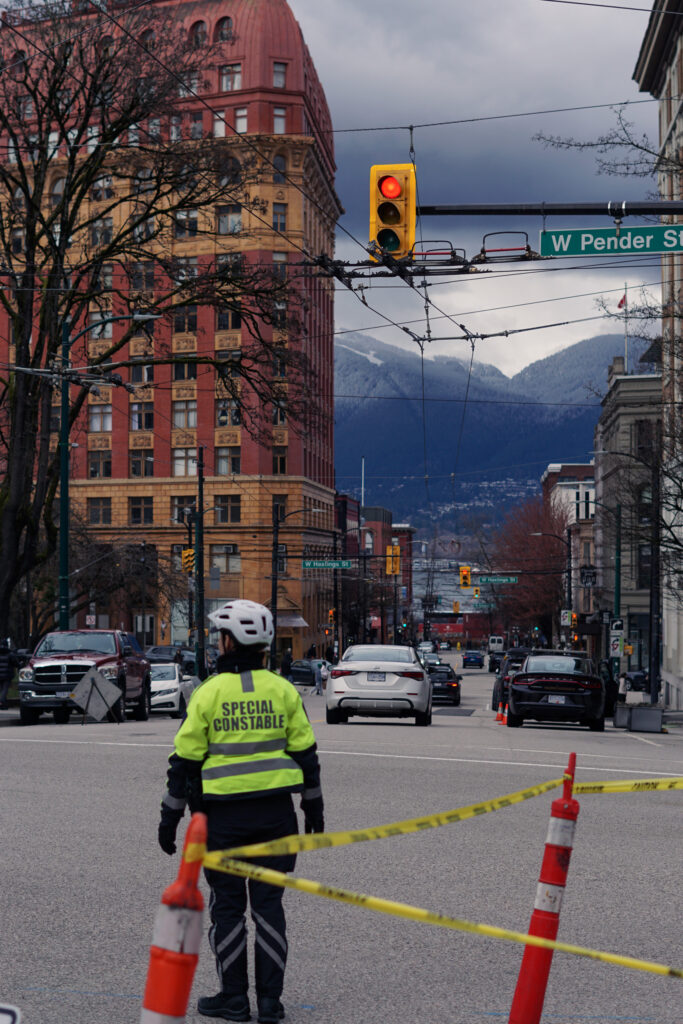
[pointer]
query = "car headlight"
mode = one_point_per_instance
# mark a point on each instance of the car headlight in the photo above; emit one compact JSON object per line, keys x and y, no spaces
{"x":165,"y":693}
{"x":26,"y":675}
{"x":109,"y":671}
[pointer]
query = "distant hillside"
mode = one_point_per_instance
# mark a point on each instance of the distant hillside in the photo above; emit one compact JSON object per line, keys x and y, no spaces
{"x":509,"y":434}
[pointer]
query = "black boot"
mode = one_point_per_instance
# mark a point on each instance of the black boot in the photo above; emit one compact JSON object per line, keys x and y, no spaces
{"x":224,"y":1006}
{"x":270,"y":1010}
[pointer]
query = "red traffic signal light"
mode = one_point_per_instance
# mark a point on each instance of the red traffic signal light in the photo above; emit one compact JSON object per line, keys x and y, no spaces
{"x":393,"y":198}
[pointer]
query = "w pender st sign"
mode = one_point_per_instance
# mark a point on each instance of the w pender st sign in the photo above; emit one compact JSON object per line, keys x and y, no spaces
{"x":658,"y":238}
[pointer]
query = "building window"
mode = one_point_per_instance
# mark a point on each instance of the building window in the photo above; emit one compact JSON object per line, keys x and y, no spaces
{"x":143,"y":230}
{"x":184,"y":414}
{"x":102,"y":188}
{"x":279,"y":169}
{"x":101,"y":231}
{"x":141,"y":511}
{"x":279,"y":364}
{"x":185,"y":320}
{"x":282,"y":558}
{"x":182,"y":506}
{"x":219,"y":124}
{"x":189,"y":84}
{"x":241,"y":120}
{"x":229,"y":318}
{"x":196,"y":124}
{"x":99,"y":418}
{"x":142,"y":276}
{"x":141,"y":462}
{"x":17,"y":242}
{"x":280,"y":265}
{"x":223,"y":33}
{"x":231,"y":77}
{"x":279,"y":121}
{"x":184,"y":462}
{"x":99,"y":327}
{"x":279,"y":413}
{"x":230,"y":265}
{"x":198,"y":35}
{"x":142,"y":416}
{"x":225,"y":558}
{"x":228,"y":461}
{"x":279,"y":314}
{"x":232,"y":359}
{"x":279,"y":507}
{"x":99,"y":464}
{"x":279,"y":216}
{"x":644,"y":566}
{"x":229,"y":219}
{"x":279,"y":461}
{"x":185,"y":224}
{"x":176,"y":131}
{"x":176,"y":556}
{"x":228,"y":508}
{"x":184,"y":371}
{"x":227,"y":412}
{"x":99,"y":511}
{"x":57,"y":192}
{"x":279,"y":75}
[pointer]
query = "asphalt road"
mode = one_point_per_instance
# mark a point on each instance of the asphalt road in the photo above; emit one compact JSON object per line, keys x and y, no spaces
{"x":82,"y":874}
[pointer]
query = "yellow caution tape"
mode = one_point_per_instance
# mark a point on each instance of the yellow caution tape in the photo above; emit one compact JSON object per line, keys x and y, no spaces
{"x":628,"y":786}
{"x":323,"y":840}
{"x":219,"y":861}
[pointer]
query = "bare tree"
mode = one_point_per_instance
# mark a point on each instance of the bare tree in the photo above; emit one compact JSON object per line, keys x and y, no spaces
{"x":100,"y":183}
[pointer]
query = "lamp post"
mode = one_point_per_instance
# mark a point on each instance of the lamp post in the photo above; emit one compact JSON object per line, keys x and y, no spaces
{"x":64,"y":451}
{"x":568,"y":544}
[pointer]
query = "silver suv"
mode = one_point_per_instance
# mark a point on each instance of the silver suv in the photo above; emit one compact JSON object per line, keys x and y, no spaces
{"x":379,"y":681}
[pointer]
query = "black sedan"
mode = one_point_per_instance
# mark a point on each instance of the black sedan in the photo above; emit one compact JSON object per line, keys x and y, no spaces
{"x":557,"y":688}
{"x":445,"y":684}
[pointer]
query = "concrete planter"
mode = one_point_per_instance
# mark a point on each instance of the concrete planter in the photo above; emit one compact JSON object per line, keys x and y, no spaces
{"x":646,"y":718}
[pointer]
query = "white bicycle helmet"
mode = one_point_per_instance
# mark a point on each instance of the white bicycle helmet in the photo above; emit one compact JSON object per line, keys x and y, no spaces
{"x":250,"y":624}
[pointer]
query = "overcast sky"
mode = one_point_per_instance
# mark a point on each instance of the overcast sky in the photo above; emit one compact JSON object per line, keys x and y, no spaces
{"x":388,"y":63}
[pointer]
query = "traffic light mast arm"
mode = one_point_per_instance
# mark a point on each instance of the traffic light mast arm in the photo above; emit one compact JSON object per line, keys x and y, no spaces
{"x":610,"y":209}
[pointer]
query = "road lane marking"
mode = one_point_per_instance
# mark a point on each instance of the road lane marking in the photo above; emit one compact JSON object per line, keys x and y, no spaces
{"x":642,"y":740}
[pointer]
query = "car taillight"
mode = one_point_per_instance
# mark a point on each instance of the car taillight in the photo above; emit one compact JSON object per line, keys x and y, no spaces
{"x":454,"y":683}
{"x":336,"y":673}
{"x":411,"y":675}
{"x":522,"y":680}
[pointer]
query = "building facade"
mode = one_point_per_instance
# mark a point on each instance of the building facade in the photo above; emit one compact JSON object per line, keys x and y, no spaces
{"x":137,"y":450}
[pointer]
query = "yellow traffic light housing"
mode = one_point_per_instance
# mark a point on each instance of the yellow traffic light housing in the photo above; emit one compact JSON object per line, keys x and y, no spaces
{"x":465,"y":578}
{"x":393,"y":206}
{"x":330,"y":616}
{"x":476,"y":591}
{"x":187,"y":560}
{"x":456,"y":607}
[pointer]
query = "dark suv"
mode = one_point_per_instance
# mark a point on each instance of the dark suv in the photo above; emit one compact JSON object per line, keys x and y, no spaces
{"x":60,"y":661}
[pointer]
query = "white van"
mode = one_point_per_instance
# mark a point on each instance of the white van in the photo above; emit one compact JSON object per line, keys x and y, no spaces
{"x":496,"y":643}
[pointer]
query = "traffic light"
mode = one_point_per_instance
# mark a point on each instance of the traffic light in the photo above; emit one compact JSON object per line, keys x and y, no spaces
{"x":575,"y":619}
{"x":456,"y":607}
{"x":393,"y":196}
{"x":476,"y":591}
{"x":465,"y":578}
{"x":393,"y":560}
{"x":187,"y":559}
{"x":330,"y":616}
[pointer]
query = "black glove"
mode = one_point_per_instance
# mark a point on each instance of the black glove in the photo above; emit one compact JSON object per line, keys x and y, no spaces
{"x":168,"y":827}
{"x":313,"y":815}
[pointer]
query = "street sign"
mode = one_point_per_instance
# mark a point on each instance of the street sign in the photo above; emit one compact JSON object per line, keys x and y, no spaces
{"x":565,"y":617}
{"x":653,"y":238}
{"x":616,"y":646}
{"x":327,"y":563}
{"x":90,"y":620}
{"x":617,"y":625}
{"x":498,"y":579}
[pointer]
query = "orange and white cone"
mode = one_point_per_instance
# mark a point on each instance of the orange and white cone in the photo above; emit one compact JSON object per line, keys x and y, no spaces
{"x":177,"y":936}
{"x":499,"y":715}
{"x":505,"y":715}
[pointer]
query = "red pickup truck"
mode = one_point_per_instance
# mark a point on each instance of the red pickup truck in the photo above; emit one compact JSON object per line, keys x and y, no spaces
{"x":60,"y":661}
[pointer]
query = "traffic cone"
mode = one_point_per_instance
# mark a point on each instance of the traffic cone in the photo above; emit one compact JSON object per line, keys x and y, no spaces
{"x":505,"y":715}
{"x":177,"y":936}
{"x":499,"y":716}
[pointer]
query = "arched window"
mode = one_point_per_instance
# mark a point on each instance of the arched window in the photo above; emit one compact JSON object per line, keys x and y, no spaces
{"x":17,"y":67}
{"x":57,"y":191}
{"x":148,"y":39}
{"x":279,"y":169}
{"x":198,"y":35}
{"x":223,"y":33}
{"x":231,"y":172}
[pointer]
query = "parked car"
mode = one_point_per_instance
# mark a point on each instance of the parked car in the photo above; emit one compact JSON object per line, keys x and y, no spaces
{"x":473,"y":659}
{"x":560,"y":687}
{"x":169,"y":652}
{"x":303,"y":670}
{"x":511,"y":663}
{"x":431,"y":660}
{"x":444,"y":645}
{"x":426,"y":647}
{"x":495,"y":659}
{"x":446,"y":684}
{"x":171,"y":688}
{"x":62,"y":658}
{"x":379,"y":681}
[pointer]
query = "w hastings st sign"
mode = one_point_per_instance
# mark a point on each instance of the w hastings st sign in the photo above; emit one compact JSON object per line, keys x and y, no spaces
{"x":658,"y":238}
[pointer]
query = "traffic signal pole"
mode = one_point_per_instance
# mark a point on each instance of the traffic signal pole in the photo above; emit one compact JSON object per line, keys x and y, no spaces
{"x":611,"y":209}
{"x":200,"y":646}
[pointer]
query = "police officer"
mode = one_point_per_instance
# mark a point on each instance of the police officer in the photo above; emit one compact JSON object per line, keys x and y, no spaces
{"x":244,"y":748}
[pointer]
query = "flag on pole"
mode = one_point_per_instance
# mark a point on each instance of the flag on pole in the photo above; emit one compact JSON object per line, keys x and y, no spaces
{"x":622,"y":301}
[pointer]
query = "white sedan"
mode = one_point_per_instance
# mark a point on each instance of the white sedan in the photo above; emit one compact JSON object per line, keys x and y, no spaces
{"x":171,"y":689}
{"x":379,"y":681}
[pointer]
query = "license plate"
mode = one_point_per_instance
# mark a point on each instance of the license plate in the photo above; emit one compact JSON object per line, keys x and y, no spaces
{"x":556,"y":698}
{"x":63,"y":695}
{"x":376,"y":677}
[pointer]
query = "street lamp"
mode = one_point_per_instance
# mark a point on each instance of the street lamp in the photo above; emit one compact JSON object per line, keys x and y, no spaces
{"x":67,"y":342}
{"x":568,"y":544}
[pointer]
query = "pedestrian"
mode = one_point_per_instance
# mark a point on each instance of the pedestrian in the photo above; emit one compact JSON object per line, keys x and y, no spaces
{"x":244,"y":748}
{"x":310,"y":653}
{"x":286,"y":664}
{"x":319,"y":678}
{"x":329,"y":653}
{"x":8,"y":666}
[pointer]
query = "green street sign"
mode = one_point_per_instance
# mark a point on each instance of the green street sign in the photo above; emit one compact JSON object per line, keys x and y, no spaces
{"x":656,"y":238}
{"x":497,"y":579}
{"x":327,"y":563}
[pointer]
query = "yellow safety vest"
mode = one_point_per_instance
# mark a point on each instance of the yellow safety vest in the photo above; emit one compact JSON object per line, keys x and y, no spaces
{"x":240,"y":726}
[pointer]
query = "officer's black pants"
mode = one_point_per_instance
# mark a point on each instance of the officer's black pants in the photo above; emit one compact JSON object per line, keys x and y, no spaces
{"x":236,"y":823}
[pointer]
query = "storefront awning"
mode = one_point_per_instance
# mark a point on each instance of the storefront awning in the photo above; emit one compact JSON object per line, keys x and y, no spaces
{"x":291,"y":620}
